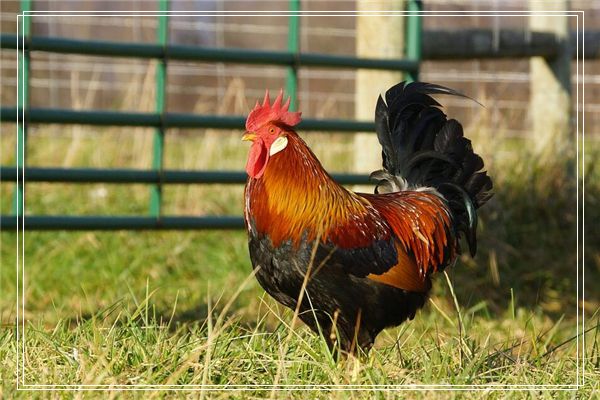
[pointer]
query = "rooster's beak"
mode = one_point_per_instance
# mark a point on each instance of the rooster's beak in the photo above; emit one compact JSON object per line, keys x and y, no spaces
{"x":249,"y":136}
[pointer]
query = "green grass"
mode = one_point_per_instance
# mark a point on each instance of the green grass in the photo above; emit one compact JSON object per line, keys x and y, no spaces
{"x":172,"y":308}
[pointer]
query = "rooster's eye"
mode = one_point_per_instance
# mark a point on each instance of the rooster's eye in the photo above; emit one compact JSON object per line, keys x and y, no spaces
{"x":271,"y":130}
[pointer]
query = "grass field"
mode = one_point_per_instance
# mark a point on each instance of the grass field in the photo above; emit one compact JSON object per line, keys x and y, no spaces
{"x":173,"y":308}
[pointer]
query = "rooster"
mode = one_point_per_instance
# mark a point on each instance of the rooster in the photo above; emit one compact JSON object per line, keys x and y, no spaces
{"x":352,"y":264}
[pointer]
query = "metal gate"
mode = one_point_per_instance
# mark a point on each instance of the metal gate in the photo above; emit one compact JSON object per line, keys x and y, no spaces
{"x":161,"y":120}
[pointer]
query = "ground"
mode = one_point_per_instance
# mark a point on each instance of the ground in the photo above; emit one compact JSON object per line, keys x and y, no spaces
{"x":175,"y":308}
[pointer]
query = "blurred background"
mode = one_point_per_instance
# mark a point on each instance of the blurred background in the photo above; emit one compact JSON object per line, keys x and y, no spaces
{"x":528,"y":231}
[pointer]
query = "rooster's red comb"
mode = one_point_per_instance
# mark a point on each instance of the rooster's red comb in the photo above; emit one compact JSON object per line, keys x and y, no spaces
{"x":265,"y":112}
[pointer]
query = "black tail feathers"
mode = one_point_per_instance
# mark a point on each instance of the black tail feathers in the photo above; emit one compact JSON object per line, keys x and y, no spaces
{"x":421,"y":148}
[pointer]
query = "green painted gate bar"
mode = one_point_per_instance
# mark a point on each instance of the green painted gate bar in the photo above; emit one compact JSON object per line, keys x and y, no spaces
{"x":291,"y":83}
{"x":208,"y":54}
{"x":161,"y":83}
{"x":161,"y":119}
{"x":414,"y":30}
{"x":112,"y":223}
{"x":168,"y":120}
{"x":22,"y":103}
{"x":126,"y":175}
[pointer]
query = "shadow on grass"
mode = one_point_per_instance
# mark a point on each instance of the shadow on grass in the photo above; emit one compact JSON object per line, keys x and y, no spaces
{"x":196,"y":316}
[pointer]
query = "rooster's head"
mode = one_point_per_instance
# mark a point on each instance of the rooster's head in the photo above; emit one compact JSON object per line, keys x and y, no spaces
{"x":267,"y":126}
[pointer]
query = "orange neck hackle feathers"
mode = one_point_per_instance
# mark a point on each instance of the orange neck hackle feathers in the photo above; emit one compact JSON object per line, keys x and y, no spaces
{"x":264,"y":113}
{"x":296,"y":199}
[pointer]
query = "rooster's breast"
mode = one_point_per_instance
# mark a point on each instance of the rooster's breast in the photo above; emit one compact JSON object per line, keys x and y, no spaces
{"x":331,"y":293}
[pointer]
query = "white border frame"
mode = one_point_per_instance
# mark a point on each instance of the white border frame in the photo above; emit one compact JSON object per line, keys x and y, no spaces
{"x":20,"y":280}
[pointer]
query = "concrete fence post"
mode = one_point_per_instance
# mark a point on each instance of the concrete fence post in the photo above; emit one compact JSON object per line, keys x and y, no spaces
{"x":550,"y":90}
{"x":376,"y":37}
